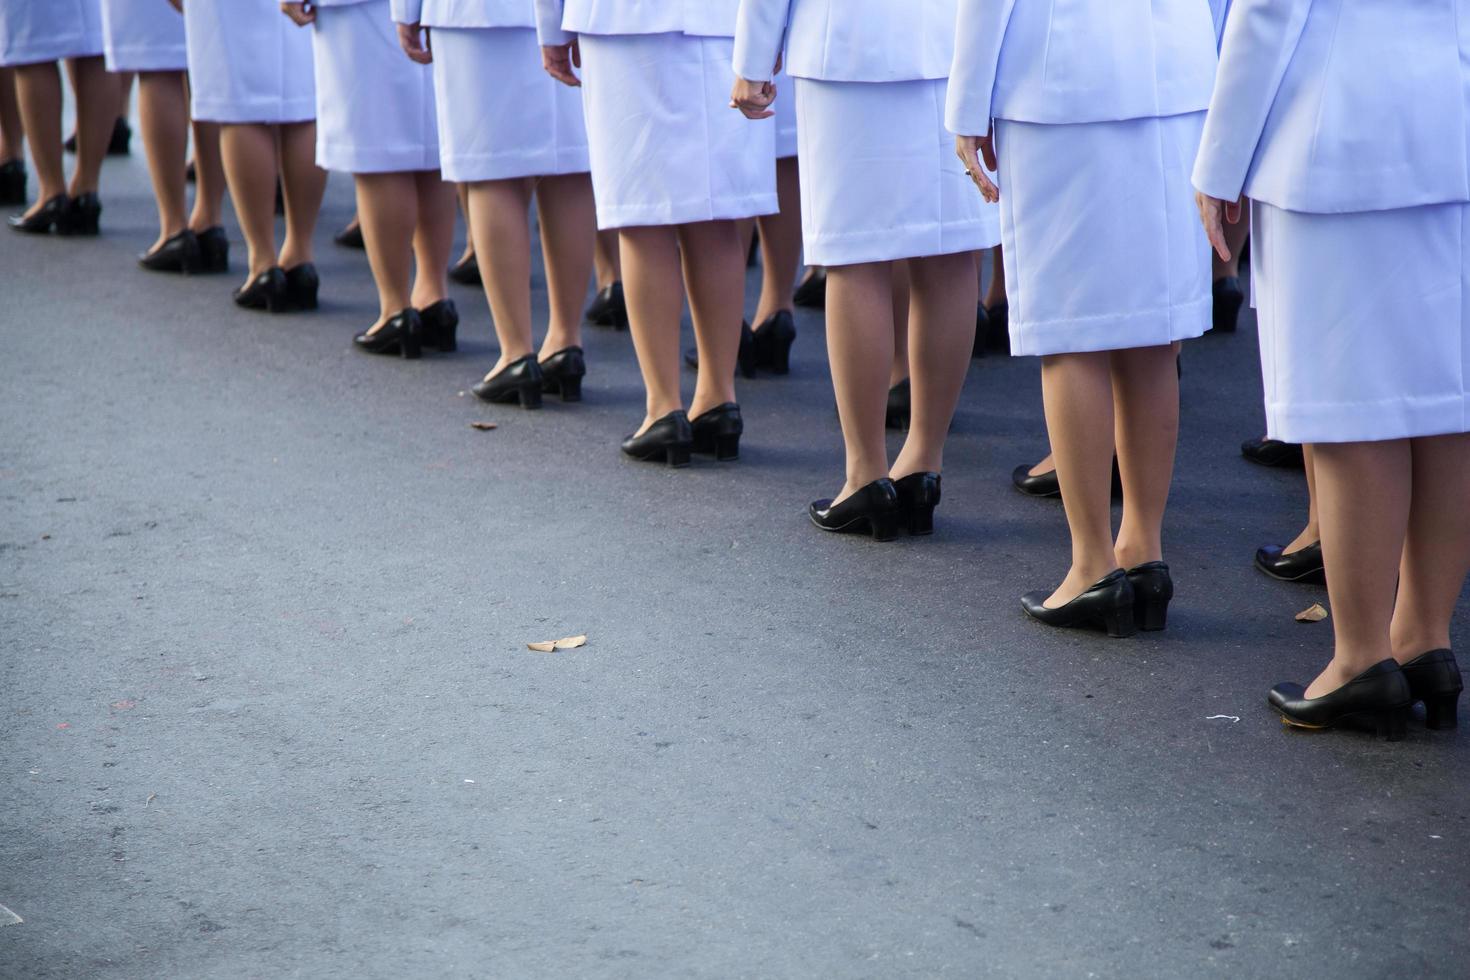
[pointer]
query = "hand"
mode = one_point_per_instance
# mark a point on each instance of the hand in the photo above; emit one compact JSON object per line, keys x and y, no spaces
{"x":415,"y":43}
{"x":301,"y":13}
{"x":972,"y":150}
{"x":177,"y":5}
{"x":753,"y":98}
{"x":1211,"y":211}
{"x":559,"y":59}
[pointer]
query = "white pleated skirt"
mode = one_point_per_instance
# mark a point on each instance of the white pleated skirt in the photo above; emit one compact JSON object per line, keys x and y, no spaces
{"x":248,"y":63}
{"x":507,"y":117}
{"x":786,"y":145}
{"x":879,"y":177}
{"x":33,"y":31}
{"x":143,"y":35}
{"x":1103,"y":244}
{"x":1364,"y":322}
{"x":665,"y":147}
{"x":374,"y":107}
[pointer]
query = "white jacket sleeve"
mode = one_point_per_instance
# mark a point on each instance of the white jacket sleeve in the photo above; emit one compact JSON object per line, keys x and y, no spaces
{"x":980,"y":27}
{"x":1260,"y":38}
{"x":407,"y":11}
{"x":548,"y":23}
{"x":760,"y":33}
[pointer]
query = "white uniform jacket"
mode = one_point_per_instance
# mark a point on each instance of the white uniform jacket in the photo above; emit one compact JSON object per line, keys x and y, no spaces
{"x":466,"y":13}
{"x":1079,"y":61}
{"x":558,"y":20}
{"x":1332,"y":106}
{"x":846,"y":40}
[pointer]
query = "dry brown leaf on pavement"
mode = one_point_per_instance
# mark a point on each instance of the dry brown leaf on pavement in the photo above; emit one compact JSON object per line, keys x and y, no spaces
{"x":484,"y":426}
{"x":1314,"y":613}
{"x":544,"y":647}
{"x":571,"y":642}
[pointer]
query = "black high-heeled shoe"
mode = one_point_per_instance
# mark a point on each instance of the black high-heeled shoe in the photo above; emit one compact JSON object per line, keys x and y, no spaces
{"x":811,"y":292}
{"x":440,"y":322}
{"x":180,"y":253}
{"x":1109,"y":603}
{"x":1229,"y":298}
{"x":122,"y":134}
{"x":1273,"y":452}
{"x":519,"y":381}
{"x":609,"y":308}
{"x":1302,"y":565}
{"x":918,"y":495}
{"x":351,"y":236}
{"x":466,"y":272}
{"x":772,"y":340}
{"x":214,"y":250}
{"x":266,"y":291}
{"x":900,"y":407}
{"x":670,"y":440}
{"x":717,"y":432}
{"x":1434,"y":678}
{"x":1048,"y":485}
{"x":999,"y":317}
{"x":562,"y":374}
{"x":1153,"y":589}
{"x":82,"y":216}
{"x":982,"y":332}
{"x":1379,"y":696}
{"x":302,"y":284}
{"x":872,"y":509}
{"x":745,"y":359}
{"x":402,"y":335}
{"x":12,"y":182}
{"x":43,"y":220}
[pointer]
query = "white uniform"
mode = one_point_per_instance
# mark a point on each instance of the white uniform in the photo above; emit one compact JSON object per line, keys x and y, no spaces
{"x":248,"y":63}
{"x":143,"y":35}
{"x":374,"y":107}
{"x":1347,"y":124}
{"x":506,"y":118}
{"x":664,"y":146}
{"x":33,"y":31}
{"x":1097,"y":110}
{"x":879,"y":177}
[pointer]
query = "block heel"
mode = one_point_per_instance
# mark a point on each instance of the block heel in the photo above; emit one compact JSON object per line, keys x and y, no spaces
{"x":1153,"y":590}
{"x":1442,"y":712}
{"x":918,"y":495}
{"x":1120,"y":622}
{"x":717,"y":432}
{"x":562,"y":374}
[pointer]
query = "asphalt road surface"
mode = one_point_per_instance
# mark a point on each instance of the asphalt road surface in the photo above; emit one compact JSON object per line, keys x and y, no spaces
{"x":268,"y":709}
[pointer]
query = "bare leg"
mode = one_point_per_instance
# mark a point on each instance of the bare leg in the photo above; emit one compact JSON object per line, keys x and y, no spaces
{"x":388,"y":209}
{"x":1437,"y":550}
{"x":606,"y":259}
{"x":500,"y":226}
{"x":97,"y":100}
{"x":249,"y":153}
{"x":12,"y":130}
{"x":462,"y":192}
{"x":900,"y":369}
{"x":714,"y":277}
{"x":1146,"y":396}
{"x":1311,"y":534}
{"x":860,"y":332}
{"x":568,"y":229}
{"x":651,"y":278}
{"x":944,"y":292}
{"x":1078,"y":392}
{"x":780,"y":245}
{"x":303,"y":184}
{"x":38,"y":88}
{"x":1364,"y":492}
{"x":209,"y":178}
{"x":1046,"y":465}
{"x":433,"y":239}
{"x":163,"y":116}
{"x":995,"y":293}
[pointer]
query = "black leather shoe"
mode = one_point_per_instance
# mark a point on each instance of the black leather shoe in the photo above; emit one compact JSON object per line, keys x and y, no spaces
{"x":608,"y":308}
{"x":403,"y":335}
{"x":562,"y":374}
{"x":900,"y":407}
{"x":40,"y":223}
{"x":1434,"y":678}
{"x":266,"y":291}
{"x":811,"y":292}
{"x":669,"y":440}
{"x":982,"y":332}
{"x":302,"y":284}
{"x":350,"y":237}
{"x":122,"y":133}
{"x":1047,"y":485}
{"x":466,"y":272}
{"x":999,"y":317}
{"x":1302,"y":565}
{"x":773,"y":340}
{"x":1229,"y":297}
{"x":82,"y":216}
{"x":1379,"y":697}
{"x":12,"y":182}
{"x":440,"y":322}
{"x":214,"y":250}
{"x":871,"y":510}
{"x":1153,"y":589}
{"x":1108,"y":604}
{"x":178,"y":254}
{"x":519,"y":381}
{"x":717,"y":432}
{"x":745,"y":359}
{"x":918,"y":495}
{"x":1273,"y":452}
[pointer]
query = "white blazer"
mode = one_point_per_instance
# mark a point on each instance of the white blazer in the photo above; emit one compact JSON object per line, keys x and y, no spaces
{"x":1079,"y":61}
{"x":846,"y":40}
{"x":1341,"y":105}
{"x":558,"y":20}
{"x":466,"y":13}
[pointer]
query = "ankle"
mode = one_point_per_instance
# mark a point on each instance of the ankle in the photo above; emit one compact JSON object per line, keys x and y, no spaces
{"x":1132,"y":555}
{"x":1411,"y":643}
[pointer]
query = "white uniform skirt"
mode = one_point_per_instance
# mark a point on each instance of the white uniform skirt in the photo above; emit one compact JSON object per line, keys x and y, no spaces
{"x":248,"y":63}
{"x":1103,"y":244}
{"x":665,"y":146}
{"x":879,"y":176}
{"x":1364,"y":322}
{"x":508,"y":118}
{"x":786,"y":145}
{"x":375,"y":107}
{"x":33,"y":31}
{"x":143,"y":35}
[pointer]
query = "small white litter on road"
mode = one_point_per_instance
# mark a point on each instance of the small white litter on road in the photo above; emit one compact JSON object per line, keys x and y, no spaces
{"x":1232,"y":718}
{"x":9,"y":918}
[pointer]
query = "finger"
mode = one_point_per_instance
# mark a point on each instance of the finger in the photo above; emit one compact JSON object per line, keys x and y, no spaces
{"x":987,"y":151}
{"x":576,"y":52}
{"x":988,"y":190}
{"x":1232,"y":212}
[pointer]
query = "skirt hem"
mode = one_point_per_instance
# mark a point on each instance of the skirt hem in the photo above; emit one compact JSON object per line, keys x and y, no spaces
{"x":914,"y":242}
{"x":687,"y":212}
{"x":1122,"y":331}
{"x":1403,"y":418}
{"x":360,"y":160}
{"x":471,"y":168}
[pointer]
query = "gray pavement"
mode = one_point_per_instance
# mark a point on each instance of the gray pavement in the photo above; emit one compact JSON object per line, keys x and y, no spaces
{"x":268,"y":710}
